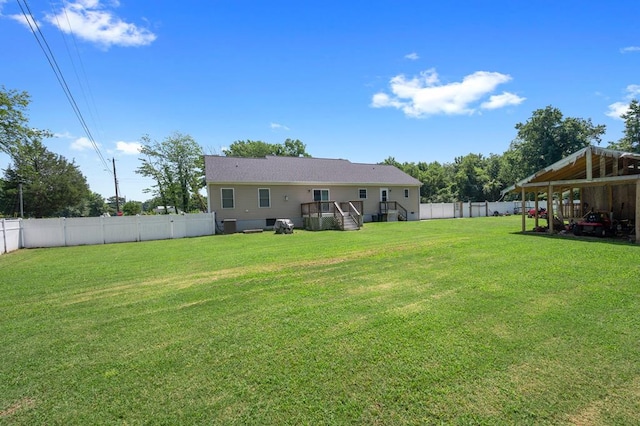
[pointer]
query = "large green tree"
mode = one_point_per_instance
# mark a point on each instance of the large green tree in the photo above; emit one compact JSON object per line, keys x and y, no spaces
{"x":630,"y":140}
{"x":14,"y":124}
{"x":132,"y":208}
{"x":177,"y":167}
{"x":51,"y":185}
{"x":256,"y":149}
{"x":472,"y":178}
{"x":548,"y":137}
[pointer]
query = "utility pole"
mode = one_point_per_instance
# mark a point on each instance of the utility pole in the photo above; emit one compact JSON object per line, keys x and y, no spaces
{"x":21,"y":200}
{"x":115,"y":180}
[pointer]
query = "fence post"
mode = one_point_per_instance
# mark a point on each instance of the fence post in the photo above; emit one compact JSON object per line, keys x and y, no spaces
{"x":4,"y":237}
{"x":64,"y":231}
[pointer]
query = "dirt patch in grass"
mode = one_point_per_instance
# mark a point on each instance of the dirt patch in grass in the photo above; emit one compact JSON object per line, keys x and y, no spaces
{"x":20,"y":404}
{"x":589,"y":415}
{"x":598,"y":411}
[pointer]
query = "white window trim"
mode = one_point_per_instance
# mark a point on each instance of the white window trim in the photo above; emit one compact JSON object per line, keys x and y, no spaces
{"x":321,"y":189}
{"x":366,"y":193}
{"x":268,"y":198}
{"x":233,"y":191}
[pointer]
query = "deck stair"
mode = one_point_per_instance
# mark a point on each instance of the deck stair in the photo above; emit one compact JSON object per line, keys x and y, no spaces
{"x":350,"y":223}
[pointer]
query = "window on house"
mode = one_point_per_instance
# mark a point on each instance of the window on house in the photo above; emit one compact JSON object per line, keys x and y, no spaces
{"x":228,"y":199}
{"x":362,"y":194}
{"x":264,"y":198}
{"x":406,"y":193}
{"x":322,"y":195}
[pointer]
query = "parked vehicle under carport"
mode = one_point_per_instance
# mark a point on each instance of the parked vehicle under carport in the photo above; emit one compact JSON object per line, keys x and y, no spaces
{"x":594,"y":223}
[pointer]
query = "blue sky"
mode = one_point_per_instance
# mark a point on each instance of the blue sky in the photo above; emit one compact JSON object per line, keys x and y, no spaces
{"x":361,"y":80}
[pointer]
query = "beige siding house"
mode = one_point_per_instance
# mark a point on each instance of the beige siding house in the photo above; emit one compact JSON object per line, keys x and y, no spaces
{"x":315,"y":193}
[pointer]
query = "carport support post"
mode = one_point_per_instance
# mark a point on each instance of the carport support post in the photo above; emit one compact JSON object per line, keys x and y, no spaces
{"x":550,"y":208}
{"x":637,"y":212}
{"x":524,"y":214}
{"x":571,"y":212}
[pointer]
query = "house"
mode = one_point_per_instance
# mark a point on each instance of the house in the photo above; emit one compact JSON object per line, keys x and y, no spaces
{"x":315,"y":193}
{"x":605,"y":180}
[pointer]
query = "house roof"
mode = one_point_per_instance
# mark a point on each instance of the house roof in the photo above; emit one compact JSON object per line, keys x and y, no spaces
{"x":301,"y":170}
{"x":589,"y":166}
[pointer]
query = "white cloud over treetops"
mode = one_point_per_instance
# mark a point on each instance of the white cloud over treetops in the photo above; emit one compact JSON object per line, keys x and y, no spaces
{"x":80,"y":144}
{"x":91,"y":21}
{"x":503,"y":100}
{"x":617,"y":109}
{"x":129,"y":148}
{"x":425,"y":95}
{"x":412,"y":56}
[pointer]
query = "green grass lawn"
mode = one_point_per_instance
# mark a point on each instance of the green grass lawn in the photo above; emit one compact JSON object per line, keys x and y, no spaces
{"x":462,"y":321}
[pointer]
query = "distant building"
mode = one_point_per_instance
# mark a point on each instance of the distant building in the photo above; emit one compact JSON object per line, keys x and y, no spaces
{"x":254,"y":192}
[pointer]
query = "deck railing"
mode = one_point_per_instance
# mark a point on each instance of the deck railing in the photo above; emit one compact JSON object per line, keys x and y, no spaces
{"x":354,"y":208}
{"x":349,"y":210}
{"x":386,"y":206}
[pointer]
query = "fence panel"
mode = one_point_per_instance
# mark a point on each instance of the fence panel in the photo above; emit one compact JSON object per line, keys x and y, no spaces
{"x":9,"y":235}
{"x":156,"y":227}
{"x":84,"y":231}
{"x":43,"y":233}
{"x":437,"y":211}
{"x":200,"y":224}
{"x":121,"y":229}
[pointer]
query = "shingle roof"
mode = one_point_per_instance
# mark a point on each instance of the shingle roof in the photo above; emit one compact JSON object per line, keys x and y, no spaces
{"x":296,"y":170}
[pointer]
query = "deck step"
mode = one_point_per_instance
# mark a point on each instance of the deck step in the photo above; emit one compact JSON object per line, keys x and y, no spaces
{"x":350,"y":227}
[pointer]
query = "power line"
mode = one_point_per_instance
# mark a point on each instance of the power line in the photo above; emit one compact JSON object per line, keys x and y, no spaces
{"x":91,"y":106}
{"x":44,"y":46}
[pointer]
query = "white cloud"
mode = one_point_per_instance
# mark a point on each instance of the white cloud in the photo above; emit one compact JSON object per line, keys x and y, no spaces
{"x":413,"y":56}
{"x":128,"y":148}
{"x":277,"y":126}
{"x":89,"y":20}
{"x":617,"y":109}
{"x":80,"y":144}
{"x":424,"y":95}
{"x":629,"y":49}
{"x":503,"y":100}
{"x":27,"y":22}
{"x":633,"y":90}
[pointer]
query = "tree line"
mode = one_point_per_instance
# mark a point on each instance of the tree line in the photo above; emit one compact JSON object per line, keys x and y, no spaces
{"x":49,"y":185}
{"x":546,"y":137}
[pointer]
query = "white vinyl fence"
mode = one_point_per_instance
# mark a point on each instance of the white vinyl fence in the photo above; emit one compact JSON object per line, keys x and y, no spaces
{"x":59,"y":232}
{"x":473,"y":209}
{"x":9,"y":235}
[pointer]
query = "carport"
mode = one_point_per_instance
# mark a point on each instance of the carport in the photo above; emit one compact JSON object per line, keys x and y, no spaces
{"x":606,"y":180}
